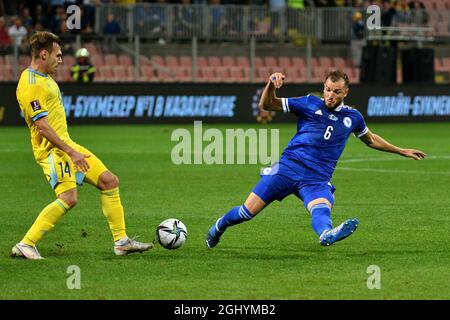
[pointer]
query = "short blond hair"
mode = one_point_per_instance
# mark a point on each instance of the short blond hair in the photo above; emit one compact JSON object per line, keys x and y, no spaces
{"x":42,"y":40}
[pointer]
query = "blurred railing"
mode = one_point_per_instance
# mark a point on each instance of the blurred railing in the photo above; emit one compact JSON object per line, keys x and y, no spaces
{"x":230,"y":22}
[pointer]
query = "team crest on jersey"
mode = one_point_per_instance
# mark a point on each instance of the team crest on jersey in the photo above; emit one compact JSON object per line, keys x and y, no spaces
{"x":347,"y":122}
{"x":35,"y":105}
{"x":333,"y":117}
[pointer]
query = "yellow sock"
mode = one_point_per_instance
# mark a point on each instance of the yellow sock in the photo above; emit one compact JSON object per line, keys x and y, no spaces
{"x":46,"y":220}
{"x":113,"y":211}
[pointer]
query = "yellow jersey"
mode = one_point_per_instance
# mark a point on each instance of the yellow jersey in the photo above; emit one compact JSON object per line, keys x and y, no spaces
{"x":38,"y":96}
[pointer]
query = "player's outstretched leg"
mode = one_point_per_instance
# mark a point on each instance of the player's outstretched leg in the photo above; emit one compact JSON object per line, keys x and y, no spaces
{"x":234,"y":216}
{"x":341,"y":232}
{"x":45,"y":222}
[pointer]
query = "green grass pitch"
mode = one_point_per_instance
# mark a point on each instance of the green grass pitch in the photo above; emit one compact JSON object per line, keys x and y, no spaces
{"x":403,"y":208}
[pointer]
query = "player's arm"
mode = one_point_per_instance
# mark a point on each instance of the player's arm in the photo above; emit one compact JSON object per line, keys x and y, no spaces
{"x":47,"y":131}
{"x":269,"y":101}
{"x":376,"y":142}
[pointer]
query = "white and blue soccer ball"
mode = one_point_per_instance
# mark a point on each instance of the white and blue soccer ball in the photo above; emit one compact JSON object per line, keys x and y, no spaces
{"x":171,"y":233}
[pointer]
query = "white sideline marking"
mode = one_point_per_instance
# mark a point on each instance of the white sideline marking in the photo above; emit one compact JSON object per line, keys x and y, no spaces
{"x":393,"y":171}
{"x":398,"y":158}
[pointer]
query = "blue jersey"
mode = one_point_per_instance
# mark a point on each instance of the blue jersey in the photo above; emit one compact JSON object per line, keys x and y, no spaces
{"x":321,"y":135}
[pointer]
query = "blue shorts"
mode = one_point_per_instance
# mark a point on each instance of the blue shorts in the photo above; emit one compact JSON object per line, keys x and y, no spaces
{"x":280,"y":181}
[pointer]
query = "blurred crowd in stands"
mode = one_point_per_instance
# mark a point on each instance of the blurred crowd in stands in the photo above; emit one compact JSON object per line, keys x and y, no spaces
{"x":20,"y":18}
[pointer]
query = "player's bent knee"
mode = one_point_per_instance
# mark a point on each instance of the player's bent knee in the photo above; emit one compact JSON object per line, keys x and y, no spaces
{"x":254,"y":204}
{"x":108,"y":181}
{"x":70,"y":199}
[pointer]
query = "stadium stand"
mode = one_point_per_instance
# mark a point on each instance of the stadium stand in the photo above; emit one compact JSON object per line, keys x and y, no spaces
{"x":225,"y":66}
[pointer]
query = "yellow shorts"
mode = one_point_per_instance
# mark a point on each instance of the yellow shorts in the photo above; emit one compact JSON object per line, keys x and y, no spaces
{"x":61,"y":173}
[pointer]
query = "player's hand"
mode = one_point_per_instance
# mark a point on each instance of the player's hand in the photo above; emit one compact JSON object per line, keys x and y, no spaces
{"x":277,"y":79}
{"x":413,"y":153}
{"x":79,"y":160}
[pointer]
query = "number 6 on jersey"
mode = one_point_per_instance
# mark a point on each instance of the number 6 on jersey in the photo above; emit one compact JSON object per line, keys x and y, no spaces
{"x":327,"y":134}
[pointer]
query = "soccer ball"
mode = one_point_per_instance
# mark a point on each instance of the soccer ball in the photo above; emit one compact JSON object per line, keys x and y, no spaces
{"x":171,"y":233}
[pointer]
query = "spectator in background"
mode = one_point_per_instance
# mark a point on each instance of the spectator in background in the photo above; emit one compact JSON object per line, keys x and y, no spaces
{"x":357,"y":42}
{"x":110,"y":31}
{"x":387,"y":14}
{"x":419,"y":13}
{"x":88,"y":15}
{"x":187,"y":19}
{"x":5,"y":39}
{"x":403,"y":12}
{"x":296,"y":4}
{"x":18,"y":34}
{"x":27,"y":20}
{"x":56,"y":20}
{"x":325,"y":3}
{"x":277,"y":8}
{"x":218,"y":19}
{"x":83,"y":71}
{"x":40,"y":16}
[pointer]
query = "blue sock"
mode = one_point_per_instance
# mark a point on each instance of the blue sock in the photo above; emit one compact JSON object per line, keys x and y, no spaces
{"x":234,"y":216}
{"x":321,"y":218}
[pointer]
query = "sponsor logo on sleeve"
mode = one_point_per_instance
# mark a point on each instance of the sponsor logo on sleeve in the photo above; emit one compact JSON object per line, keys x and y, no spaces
{"x":35,"y":105}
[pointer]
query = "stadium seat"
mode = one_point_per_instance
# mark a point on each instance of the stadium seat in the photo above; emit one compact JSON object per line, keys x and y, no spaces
{"x":202,"y":62}
{"x":92,"y":48}
{"x":24,"y":60}
{"x":97,"y":60}
{"x":65,"y":74}
{"x":240,"y":74}
{"x":147,"y":74}
{"x":315,"y":62}
{"x":125,"y":60}
{"x":299,"y":62}
{"x":318,"y":74}
{"x":207,"y":74}
{"x":158,"y":60}
{"x":167,"y":75}
{"x":284,"y":62}
{"x":224,"y":75}
{"x":106,"y":74}
{"x":69,"y":61}
{"x":339,"y":63}
{"x":172,"y":61}
{"x":183,"y":74}
{"x":259,"y":62}
{"x":144,"y":61}
{"x":186,"y":61}
{"x":121,"y":74}
{"x":10,"y":60}
{"x":270,"y":61}
{"x":214,"y":61}
{"x":111,"y":60}
{"x":228,"y":61}
{"x":263,"y":74}
{"x":325,"y":62}
{"x":295,"y":75}
{"x":243,"y":61}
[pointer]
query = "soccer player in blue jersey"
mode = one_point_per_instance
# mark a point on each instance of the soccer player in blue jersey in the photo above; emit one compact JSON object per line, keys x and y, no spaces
{"x":308,"y":162}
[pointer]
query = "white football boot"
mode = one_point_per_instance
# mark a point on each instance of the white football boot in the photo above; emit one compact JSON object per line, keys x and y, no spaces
{"x":127,"y":245}
{"x":25,"y":251}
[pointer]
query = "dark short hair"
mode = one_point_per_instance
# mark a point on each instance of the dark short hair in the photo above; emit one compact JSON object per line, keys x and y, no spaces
{"x":336,"y":75}
{"x":41,"y":40}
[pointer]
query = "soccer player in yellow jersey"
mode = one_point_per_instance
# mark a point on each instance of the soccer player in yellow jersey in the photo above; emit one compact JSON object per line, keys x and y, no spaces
{"x":65,"y":163}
